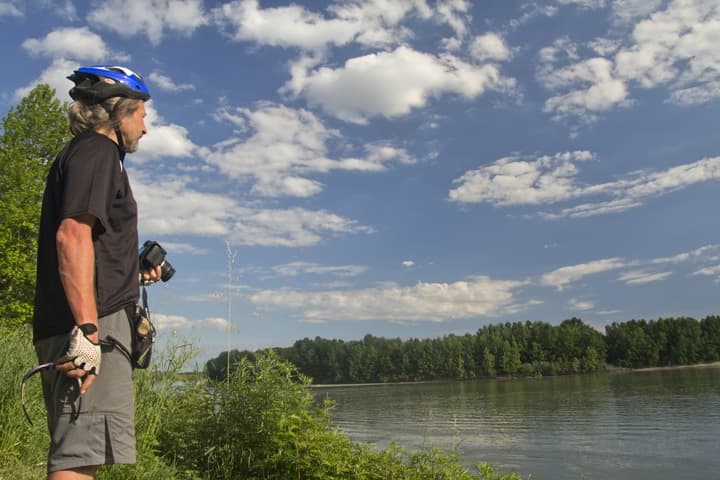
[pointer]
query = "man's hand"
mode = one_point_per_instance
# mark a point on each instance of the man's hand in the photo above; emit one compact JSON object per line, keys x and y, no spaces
{"x":151,"y":275}
{"x":83,"y":357}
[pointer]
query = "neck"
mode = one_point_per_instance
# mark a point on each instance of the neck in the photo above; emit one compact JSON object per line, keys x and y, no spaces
{"x":113,"y":134}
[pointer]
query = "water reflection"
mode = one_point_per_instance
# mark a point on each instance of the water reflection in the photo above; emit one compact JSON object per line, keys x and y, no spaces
{"x":651,"y":425}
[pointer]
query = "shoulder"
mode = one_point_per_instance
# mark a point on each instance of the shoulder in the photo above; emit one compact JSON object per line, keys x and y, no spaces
{"x":93,"y":142}
{"x":91,"y":148}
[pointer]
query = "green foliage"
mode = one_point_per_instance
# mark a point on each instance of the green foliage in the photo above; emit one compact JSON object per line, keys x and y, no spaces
{"x":510,"y":349}
{"x":22,"y":446}
{"x":33,"y":132}
{"x":264,"y":423}
{"x":664,"y":342}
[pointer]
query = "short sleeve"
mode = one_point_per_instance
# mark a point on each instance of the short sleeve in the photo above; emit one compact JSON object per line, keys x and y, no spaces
{"x":88,"y":182}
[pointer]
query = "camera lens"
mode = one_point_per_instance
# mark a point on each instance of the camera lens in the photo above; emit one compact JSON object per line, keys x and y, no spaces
{"x":166,"y":271}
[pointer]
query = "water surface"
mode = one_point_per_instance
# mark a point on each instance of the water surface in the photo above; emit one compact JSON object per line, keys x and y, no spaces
{"x":659,"y":425}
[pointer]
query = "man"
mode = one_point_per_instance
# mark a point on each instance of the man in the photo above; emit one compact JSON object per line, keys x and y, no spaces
{"x":88,"y":274}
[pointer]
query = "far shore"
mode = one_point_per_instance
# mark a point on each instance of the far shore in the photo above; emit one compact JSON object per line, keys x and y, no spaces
{"x":677,"y":367}
{"x":610,"y":370}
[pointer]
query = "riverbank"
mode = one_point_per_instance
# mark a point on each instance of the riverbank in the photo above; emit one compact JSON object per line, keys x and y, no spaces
{"x":676,"y":367}
{"x":610,"y":369}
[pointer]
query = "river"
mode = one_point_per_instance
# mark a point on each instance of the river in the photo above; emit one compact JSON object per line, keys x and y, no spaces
{"x":645,"y":425}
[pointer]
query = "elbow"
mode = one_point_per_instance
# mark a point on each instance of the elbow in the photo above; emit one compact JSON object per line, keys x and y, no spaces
{"x":74,"y":232}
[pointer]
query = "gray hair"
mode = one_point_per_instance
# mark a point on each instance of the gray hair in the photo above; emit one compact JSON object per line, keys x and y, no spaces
{"x":84,"y":117}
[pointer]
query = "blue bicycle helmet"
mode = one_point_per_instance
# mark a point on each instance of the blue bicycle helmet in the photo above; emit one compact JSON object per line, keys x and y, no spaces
{"x":90,"y":89}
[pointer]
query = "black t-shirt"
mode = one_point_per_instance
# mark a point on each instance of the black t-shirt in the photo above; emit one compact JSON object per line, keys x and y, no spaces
{"x":87,"y":177}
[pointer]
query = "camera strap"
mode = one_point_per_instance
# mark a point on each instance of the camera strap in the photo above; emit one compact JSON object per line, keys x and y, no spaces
{"x":142,"y":335}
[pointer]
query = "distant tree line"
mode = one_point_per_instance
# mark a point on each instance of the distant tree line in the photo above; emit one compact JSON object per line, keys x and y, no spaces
{"x":509,"y":349}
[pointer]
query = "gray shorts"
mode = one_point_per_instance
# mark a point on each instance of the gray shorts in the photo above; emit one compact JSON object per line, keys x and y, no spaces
{"x":104,"y":430}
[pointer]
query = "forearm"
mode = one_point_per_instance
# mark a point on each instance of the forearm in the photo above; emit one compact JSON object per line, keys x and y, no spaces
{"x":76,"y":263}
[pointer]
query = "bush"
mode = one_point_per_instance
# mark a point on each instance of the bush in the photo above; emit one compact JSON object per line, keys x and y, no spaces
{"x":263,"y":423}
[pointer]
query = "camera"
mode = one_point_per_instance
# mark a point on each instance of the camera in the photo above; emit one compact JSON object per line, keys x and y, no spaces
{"x":152,"y":255}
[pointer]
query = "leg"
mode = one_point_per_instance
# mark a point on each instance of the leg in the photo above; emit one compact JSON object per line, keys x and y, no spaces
{"x":84,"y":473}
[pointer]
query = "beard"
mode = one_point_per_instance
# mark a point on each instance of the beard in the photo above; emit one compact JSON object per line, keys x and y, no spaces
{"x":131,"y":145}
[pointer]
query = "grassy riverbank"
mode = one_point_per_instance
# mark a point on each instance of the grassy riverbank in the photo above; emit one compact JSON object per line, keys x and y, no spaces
{"x":263,"y":423}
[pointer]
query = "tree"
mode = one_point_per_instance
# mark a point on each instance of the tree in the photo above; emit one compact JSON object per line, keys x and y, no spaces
{"x":33,"y":132}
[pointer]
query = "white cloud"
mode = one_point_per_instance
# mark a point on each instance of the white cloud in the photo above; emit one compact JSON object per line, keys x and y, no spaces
{"x":7,"y":9}
{"x":599,"y":89}
{"x":673,"y":48}
{"x":367,"y":22}
{"x":171,"y":322}
{"x":640,"y":277}
{"x":625,"y":11}
{"x":288,"y":26}
{"x":292,"y":227}
{"x":516,"y":181}
{"x":580,"y":305}
{"x":284,"y":147}
{"x":708,"y":271}
{"x":74,"y":43}
{"x":435,"y":302}
{"x":294,"y":269}
{"x":55,"y":76}
{"x":391,"y":84}
{"x":176,"y":208}
{"x":489,"y":46}
{"x":455,"y":14}
{"x":163,"y":82}
{"x":561,"y":277}
{"x":149,"y":17}
{"x":408,"y":263}
{"x":162,"y":140}
{"x":701,"y":253}
{"x":584,"y":3}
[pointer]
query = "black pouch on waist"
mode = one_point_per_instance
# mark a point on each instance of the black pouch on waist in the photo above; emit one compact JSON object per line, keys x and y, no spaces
{"x":142,"y":335}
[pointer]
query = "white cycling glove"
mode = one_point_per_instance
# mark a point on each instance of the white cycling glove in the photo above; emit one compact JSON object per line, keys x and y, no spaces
{"x":83,"y":353}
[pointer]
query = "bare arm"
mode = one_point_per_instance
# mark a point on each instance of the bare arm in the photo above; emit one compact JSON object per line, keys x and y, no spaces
{"x":76,"y":262}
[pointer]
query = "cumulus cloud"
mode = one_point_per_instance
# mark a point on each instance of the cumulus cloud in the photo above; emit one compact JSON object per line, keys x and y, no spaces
{"x":288,"y":26}
{"x":367,"y":22}
{"x":279,"y":147}
{"x":55,"y":76}
{"x":434,"y":302}
{"x":76,"y":43}
{"x":163,"y":140}
{"x":390,"y":84}
{"x":551,"y":179}
{"x":561,"y":277}
{"x":672,"y":48}
{"x":514,"y":181}
{"x":151,"y":18}
{"x":489,"y":46}
{"x":179,"y":209}
{"x":163,"y":82}
{"x":408,"y":263}
{"x":596,"y":89}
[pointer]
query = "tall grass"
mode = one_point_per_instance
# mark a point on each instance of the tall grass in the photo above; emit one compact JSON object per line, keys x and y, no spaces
{"x":262,"y":423}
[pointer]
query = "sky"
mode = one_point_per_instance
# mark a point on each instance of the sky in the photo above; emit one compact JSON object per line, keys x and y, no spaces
{"x":407,"y":168}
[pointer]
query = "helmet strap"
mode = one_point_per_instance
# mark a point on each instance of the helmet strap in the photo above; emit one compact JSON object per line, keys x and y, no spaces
{"x":116,"y":126}
{"x":119,"y":136}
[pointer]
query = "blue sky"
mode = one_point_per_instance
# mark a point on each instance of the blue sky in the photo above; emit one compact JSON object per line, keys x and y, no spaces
{"x":407,"y":168}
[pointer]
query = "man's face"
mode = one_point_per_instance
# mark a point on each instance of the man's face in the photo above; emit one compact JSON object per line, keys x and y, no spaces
{"x":133,"y":128}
